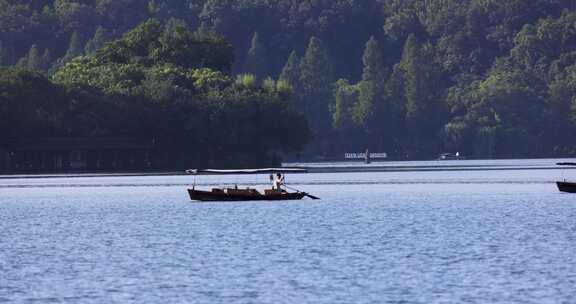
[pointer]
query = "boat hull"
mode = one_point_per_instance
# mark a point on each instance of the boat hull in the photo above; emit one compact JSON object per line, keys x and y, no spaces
{"x":211,"y":196}
{"x":569,"y":187}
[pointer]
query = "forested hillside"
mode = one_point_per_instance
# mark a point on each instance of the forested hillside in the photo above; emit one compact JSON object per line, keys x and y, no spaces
{"x":487,"y":78}
{"x":160,"y":82}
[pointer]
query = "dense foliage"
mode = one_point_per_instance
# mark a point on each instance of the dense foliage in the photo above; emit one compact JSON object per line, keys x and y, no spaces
{"x":487,"y":78}
{"x":158,"y":82}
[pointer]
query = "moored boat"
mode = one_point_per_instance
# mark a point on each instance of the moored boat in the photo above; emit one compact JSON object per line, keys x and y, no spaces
{"x":569,"y":187}
{"x":566,"y":186}
{"x":451,"y":156}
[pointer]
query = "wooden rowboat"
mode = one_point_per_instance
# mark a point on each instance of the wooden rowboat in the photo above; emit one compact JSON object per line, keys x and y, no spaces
{"x":248,"y":194}
{"x":234,"y":195}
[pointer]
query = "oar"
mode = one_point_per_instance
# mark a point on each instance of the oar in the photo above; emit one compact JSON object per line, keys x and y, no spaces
{"x":305,"y":193}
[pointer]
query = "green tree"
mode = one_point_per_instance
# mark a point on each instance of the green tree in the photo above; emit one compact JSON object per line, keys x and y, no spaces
{"x":347,"y":136}
{"x":22,"y":63}
{"x":46,"y":60}
{"x":166,"y":93}
{"x":345,"y":96}
{"x":30,"y":105}
{"x":246,"y":81}
{"x":562,"y":110}
{"x":316,"y":80}
{"x":291,"y":70}
{"x":149,"y":44}
{"x":371,"y":88}
{"x":96,"y":42}
{"x":519,"y":109}
{"x":14,"y":17}
{"x":458,"y":45}
{"x":425,"y":111}
{"x":74,"y":48}
{"x":34,"y":60}
{"x":395,"y":109}
{"x":257,"y":58}
{"x":173,"y":26}
{"x":315,"y":67}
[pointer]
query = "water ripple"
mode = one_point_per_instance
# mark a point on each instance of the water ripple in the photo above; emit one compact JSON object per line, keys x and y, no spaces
{"x":421,"y":241}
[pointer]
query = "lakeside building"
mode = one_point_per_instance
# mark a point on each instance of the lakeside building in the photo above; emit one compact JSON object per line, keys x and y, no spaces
{"x":54,"y":155}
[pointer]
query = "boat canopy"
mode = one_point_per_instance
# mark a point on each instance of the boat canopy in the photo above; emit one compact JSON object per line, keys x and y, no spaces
{"x":247,"y":171}
{"x":566,"y":164}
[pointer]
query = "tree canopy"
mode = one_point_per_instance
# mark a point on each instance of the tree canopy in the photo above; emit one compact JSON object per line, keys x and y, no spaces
{"x":412,"y":78}
{"x":148,"y":84}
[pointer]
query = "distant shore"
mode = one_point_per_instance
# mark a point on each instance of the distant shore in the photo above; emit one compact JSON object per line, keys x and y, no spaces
{"x":353,"y":167}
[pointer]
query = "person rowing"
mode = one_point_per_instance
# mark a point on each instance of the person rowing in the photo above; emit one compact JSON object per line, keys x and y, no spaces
{"x":277,"y":182}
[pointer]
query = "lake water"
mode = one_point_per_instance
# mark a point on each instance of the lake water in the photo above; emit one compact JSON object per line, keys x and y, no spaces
{"x":481,"y":236}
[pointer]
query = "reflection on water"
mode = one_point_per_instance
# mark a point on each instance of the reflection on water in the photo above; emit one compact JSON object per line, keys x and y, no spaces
{"x":388,"y":237}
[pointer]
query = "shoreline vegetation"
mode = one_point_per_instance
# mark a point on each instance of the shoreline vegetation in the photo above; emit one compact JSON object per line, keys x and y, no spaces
{"x":172,"y":87}
{"x":236,"y":84}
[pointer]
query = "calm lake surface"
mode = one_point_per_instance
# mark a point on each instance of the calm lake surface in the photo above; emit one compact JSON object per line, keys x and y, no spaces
{"x":479,"y":236}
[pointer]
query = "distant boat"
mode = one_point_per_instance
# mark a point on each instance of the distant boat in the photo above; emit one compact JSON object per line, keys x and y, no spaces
{"x":248,"y":194}
{"x":569,"y":187}
{"x":451,"y":156}
{"x":565,"y":186}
